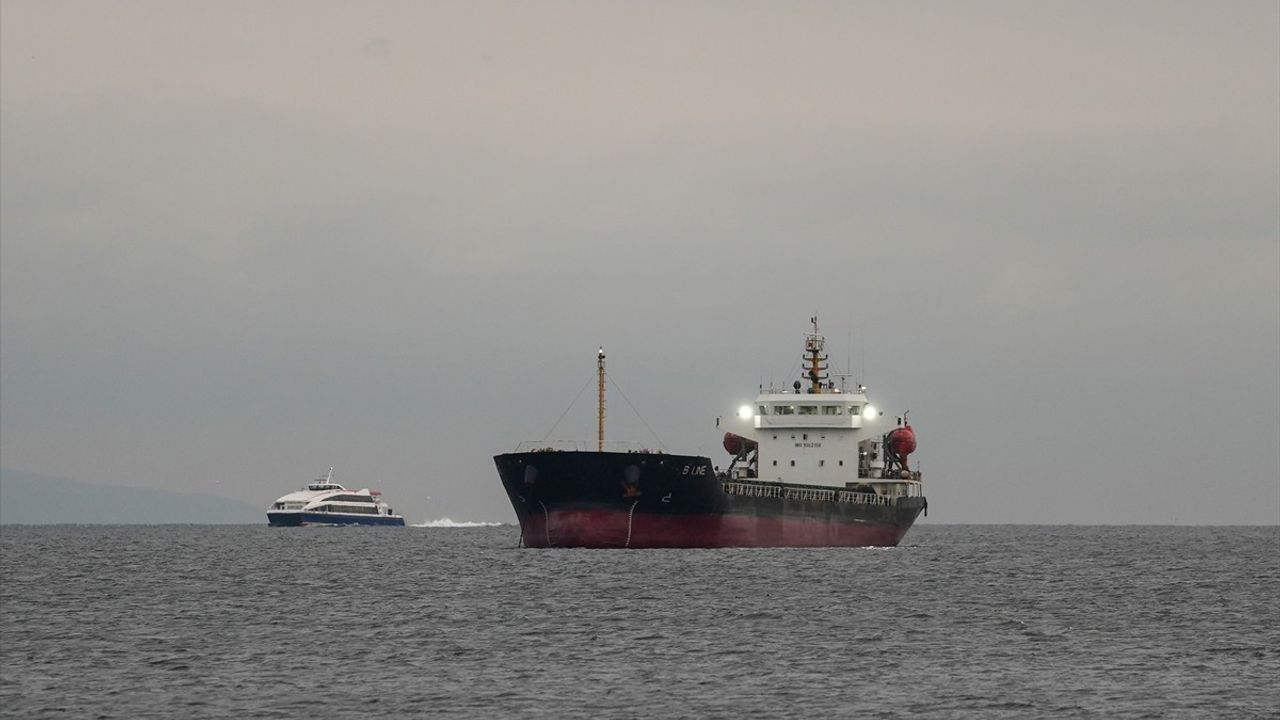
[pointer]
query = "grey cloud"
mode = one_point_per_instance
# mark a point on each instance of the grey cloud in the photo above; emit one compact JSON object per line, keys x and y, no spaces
{"x":234,"y":252}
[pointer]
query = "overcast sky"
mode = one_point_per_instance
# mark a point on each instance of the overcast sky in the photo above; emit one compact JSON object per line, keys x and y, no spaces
{"x":243,"y":241}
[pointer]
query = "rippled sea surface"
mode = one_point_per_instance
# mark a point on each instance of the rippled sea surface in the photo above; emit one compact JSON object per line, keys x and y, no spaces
{"x":961,"y":621}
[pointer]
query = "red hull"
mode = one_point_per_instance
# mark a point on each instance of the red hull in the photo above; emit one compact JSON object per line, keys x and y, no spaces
{"x":609,"y":528}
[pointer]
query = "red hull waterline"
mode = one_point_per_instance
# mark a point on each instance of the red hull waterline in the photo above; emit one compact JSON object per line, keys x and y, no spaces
{"x":611,"y":528}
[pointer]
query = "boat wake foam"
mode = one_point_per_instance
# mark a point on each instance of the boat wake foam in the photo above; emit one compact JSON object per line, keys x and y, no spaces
{"x":448,"y":523}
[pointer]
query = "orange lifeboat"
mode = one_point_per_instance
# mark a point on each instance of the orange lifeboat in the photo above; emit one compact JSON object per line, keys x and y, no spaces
{"x":902,"y":441}
{"x":736,"y":445}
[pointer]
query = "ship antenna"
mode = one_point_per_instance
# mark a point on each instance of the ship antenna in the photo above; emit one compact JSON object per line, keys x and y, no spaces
{"x":848,"y":358}
{"x":848,"y":361}
{"x":600,"y":399}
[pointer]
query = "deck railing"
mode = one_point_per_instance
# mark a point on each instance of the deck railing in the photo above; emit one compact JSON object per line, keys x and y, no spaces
{"x":913,"y":475}
{"x":793,"y":493}
{"x":617,"y":446}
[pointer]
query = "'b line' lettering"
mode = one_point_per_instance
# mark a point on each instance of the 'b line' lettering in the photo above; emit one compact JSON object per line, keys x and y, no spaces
{"x":694,"y":470}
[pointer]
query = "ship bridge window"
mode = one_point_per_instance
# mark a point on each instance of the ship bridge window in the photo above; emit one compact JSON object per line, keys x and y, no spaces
{"x":830,"y":409}
{"x":350,"y":498}
{"x":853,"y":409}
{"x":808,"y":409}
{"x":764,"y":409}
{"x":786,"y":410}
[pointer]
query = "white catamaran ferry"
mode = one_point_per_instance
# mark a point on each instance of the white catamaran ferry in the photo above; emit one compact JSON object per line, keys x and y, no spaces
{"x":325,"y":502}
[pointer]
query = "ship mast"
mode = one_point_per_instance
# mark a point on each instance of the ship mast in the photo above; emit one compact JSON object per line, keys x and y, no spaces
{"x":813,"y":346}
{"x":600,"y":400}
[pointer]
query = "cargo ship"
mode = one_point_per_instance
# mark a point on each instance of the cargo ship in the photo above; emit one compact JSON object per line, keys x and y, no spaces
{"x":807,"y":466}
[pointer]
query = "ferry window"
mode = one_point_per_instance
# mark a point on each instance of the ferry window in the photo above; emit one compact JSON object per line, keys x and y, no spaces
{"x":793,"y":463}
{"x":822,"y":463}
{"x":830,"y":409}
{"x":764,"y":409}
{"x":786,"y":410}
{"x":775,"y":437}
{"x":841,"y":463}
{"x":804,"y":436}
{"x":853,"y":409}
{"x":808,"y":409}
{"x":775,"y":463}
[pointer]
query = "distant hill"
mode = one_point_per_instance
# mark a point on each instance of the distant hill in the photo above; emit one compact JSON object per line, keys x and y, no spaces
{"x":32,"y":499}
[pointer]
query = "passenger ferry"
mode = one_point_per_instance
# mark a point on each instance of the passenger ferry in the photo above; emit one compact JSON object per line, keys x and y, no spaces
{"x":325,"y":502}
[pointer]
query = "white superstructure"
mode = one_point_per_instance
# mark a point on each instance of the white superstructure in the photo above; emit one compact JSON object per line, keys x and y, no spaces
{"x":820,"y":435}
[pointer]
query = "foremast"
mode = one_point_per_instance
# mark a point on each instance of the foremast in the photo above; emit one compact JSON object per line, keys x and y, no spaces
{"x":600,"y":400}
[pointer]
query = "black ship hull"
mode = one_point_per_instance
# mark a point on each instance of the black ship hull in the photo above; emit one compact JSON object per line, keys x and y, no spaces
{"x":651,"y":500}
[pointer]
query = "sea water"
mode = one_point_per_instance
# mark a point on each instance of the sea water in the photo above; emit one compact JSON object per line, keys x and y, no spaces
{"x":959,"y":622}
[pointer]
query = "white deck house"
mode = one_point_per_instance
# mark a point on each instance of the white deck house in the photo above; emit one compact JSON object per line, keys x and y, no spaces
{"x":820,"y":435}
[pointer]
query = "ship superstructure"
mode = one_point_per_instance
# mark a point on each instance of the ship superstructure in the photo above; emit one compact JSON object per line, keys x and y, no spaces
{"x":819,"y":434}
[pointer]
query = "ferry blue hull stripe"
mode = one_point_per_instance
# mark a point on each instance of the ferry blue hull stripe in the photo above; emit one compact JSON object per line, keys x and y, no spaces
{"x":295,"y":519}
